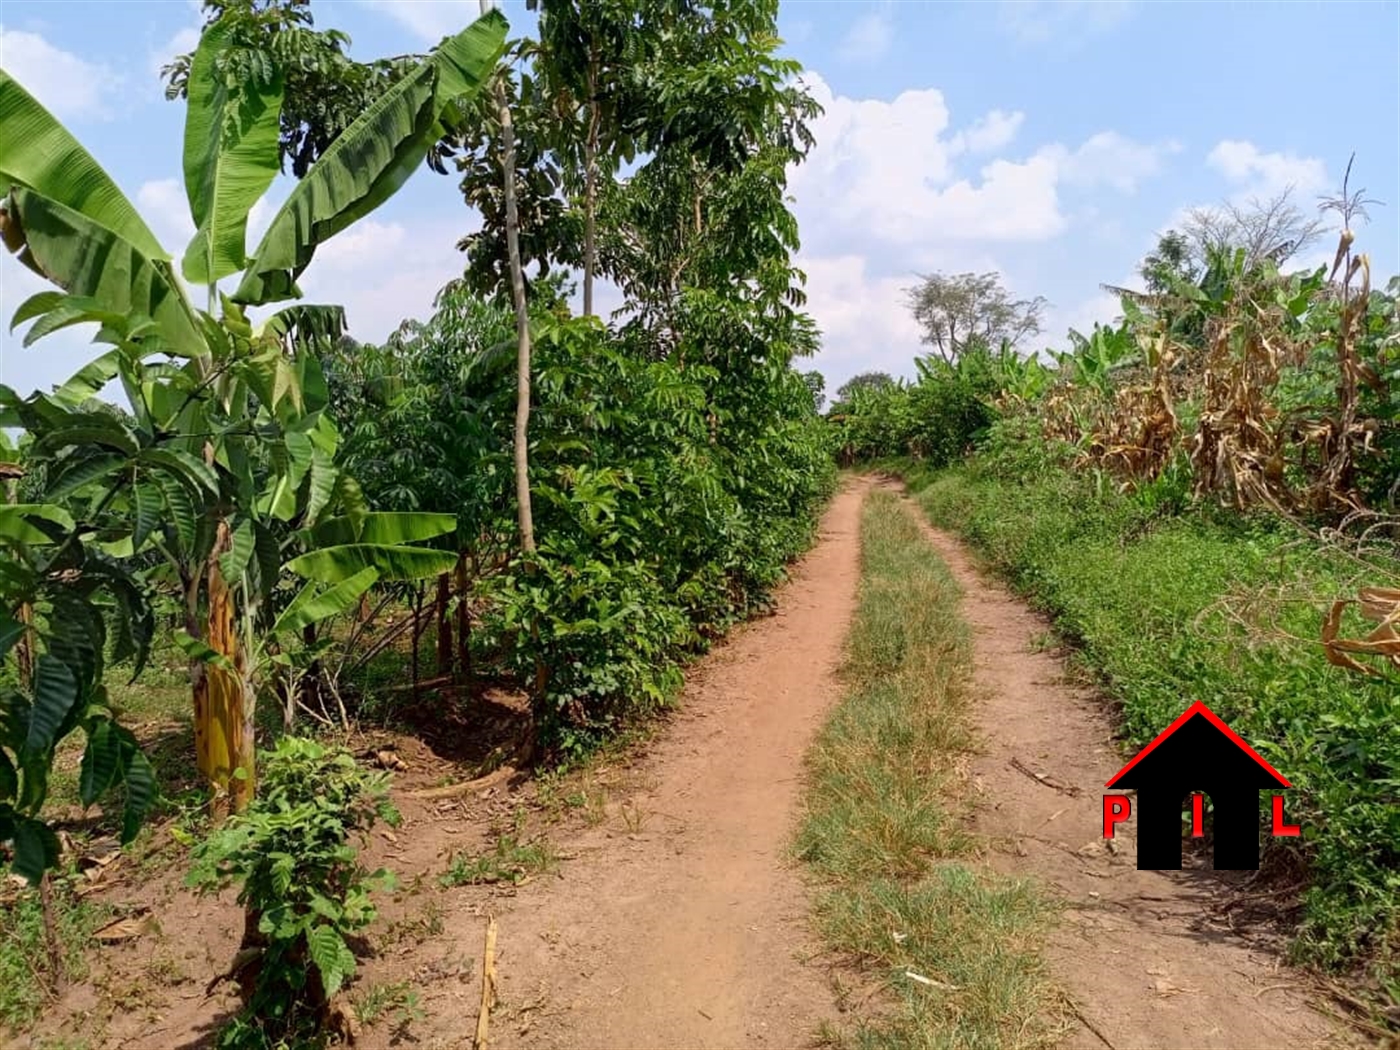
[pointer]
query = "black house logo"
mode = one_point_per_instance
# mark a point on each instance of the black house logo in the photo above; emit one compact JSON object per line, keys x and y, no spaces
{"x":1197,"y":755}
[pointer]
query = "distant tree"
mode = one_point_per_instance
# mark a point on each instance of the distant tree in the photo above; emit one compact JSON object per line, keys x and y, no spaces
{"x":864,"y":381}
{"x":1172,"y":261}
{"x":956,"y":310}
{"x":1274,"y":229}
{"x":816,"y":383}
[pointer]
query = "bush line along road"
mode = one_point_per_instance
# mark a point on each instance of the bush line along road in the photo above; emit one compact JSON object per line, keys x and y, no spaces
{"x":534,"y":679}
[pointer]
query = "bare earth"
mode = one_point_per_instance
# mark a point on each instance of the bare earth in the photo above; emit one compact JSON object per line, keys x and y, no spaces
{"x":692,"y":932}
{"x":1149,"y":958}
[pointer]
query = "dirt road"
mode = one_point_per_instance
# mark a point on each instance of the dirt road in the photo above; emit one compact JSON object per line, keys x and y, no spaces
{"x":690,"y":932}
{"x":678,"y":921}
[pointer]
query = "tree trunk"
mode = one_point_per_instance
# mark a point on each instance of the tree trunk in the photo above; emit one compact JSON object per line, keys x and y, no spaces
{"x":522,"y":319}
{"x":228,"y":710}
{"x":590,"y":187}
{"x":444,"y":625}
{"x":311,"y":692}
{"x":418,"y":590}
{"x":464,"y":656}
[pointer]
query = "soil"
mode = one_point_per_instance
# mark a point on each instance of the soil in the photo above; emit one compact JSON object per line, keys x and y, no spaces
{"x":675,"y":916}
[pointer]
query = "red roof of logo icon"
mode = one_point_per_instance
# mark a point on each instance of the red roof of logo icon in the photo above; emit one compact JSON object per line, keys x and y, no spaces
{"x":1201,"y":709}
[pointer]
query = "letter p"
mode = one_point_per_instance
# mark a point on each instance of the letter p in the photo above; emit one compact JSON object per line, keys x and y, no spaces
{"x":1116,"y":809}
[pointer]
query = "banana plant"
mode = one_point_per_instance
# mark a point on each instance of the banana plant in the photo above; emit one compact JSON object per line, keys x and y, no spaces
{"x":228,"y":462}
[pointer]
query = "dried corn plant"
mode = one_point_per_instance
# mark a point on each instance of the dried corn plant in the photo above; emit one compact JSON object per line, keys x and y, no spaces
{"x":1338,"y":438}
{"x":1379,"y":605}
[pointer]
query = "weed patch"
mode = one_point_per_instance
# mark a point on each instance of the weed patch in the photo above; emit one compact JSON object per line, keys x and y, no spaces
{"x":884,"y":830}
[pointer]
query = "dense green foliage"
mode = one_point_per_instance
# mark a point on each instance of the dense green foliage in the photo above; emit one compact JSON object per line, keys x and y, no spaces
{"x":292,"y":856}
{"x":668,"y":500}
{"x":1169,"y":608}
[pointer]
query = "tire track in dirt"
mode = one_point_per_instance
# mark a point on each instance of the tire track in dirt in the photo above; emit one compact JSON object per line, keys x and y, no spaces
{"x":1141,"y":953}
{"x":692,"y":931}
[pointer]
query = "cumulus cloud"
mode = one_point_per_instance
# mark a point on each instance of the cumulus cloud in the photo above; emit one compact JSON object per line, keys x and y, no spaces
{"x":869,"y":37}
{"x":163,"y":205}
{"x":1109,"y":159}
{"x":182,"y":42}
{"x":988,"y":133}
{"x":1256,"y":173}
{"x":864,"y":322}
{"x":68,"y":86}
{"x":888,"y":171}
{"x":896,"y":187}
{"x":383,"y":271}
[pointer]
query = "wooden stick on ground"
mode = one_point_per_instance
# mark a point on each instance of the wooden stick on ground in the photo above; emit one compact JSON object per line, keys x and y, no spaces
{"x":488,"y":986}
{"x":466,"y":787}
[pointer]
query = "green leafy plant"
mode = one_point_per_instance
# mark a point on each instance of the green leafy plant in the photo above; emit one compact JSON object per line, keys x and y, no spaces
{"x":228,"y":449}
{"x":305,"y":894}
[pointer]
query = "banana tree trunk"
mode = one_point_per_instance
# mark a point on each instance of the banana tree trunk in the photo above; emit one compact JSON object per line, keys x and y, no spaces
{"x":223,"y":700}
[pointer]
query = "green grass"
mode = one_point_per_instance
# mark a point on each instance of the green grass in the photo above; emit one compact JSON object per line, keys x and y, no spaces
{"x":1170,"y":603}
{"x":508,"y":860}
{"x":884,"y":830}
{"x":24,"y":956}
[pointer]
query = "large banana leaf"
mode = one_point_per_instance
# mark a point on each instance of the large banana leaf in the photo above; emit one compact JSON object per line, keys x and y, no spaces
{"x":87,"y":259}
{"x":230,"y":160}
{"x":41,"y":154}
{"x":315,"y":604}
{"x":335,"y":564}
{"x":393,"y":528}
{"x":374,"y":156}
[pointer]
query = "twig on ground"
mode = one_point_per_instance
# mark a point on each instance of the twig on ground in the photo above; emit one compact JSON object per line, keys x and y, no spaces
{"x":1045,"y":779}
{"x":488,"y":986}
{"x":466,"y":787}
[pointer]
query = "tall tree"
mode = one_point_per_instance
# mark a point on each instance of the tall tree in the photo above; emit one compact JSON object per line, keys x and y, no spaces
{"x":958,"y":309}
{"x":526,"y":516}
{"x":865,"y":381}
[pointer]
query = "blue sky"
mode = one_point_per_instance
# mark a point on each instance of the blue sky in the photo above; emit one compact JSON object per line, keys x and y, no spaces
{"x":1049,"y":140}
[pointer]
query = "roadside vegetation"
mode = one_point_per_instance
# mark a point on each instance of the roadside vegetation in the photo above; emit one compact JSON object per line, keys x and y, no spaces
{"x":954,"y":945}
{"x":512,"y":523}
{"x":1203,"y":497}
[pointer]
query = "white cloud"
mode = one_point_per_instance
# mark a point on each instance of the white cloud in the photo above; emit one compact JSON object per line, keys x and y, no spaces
{"x":429,"y":19}
{"x":885,"y":172}
{"x":67,"y":85}
{"x":864,"y":322}
{"x":988,"y":133}
{"x":384,"y":271}
{"x":1259,"y":174}
{"x":1109,"y":159}
{"x":1064,"y":23}
{"x":182,"y":42}
{"x":366,"y":243}
{"x":891,"y":190}
{"x":869,"y":37}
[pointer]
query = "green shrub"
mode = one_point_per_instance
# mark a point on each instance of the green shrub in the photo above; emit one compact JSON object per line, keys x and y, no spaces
{"x":301,"y":885}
